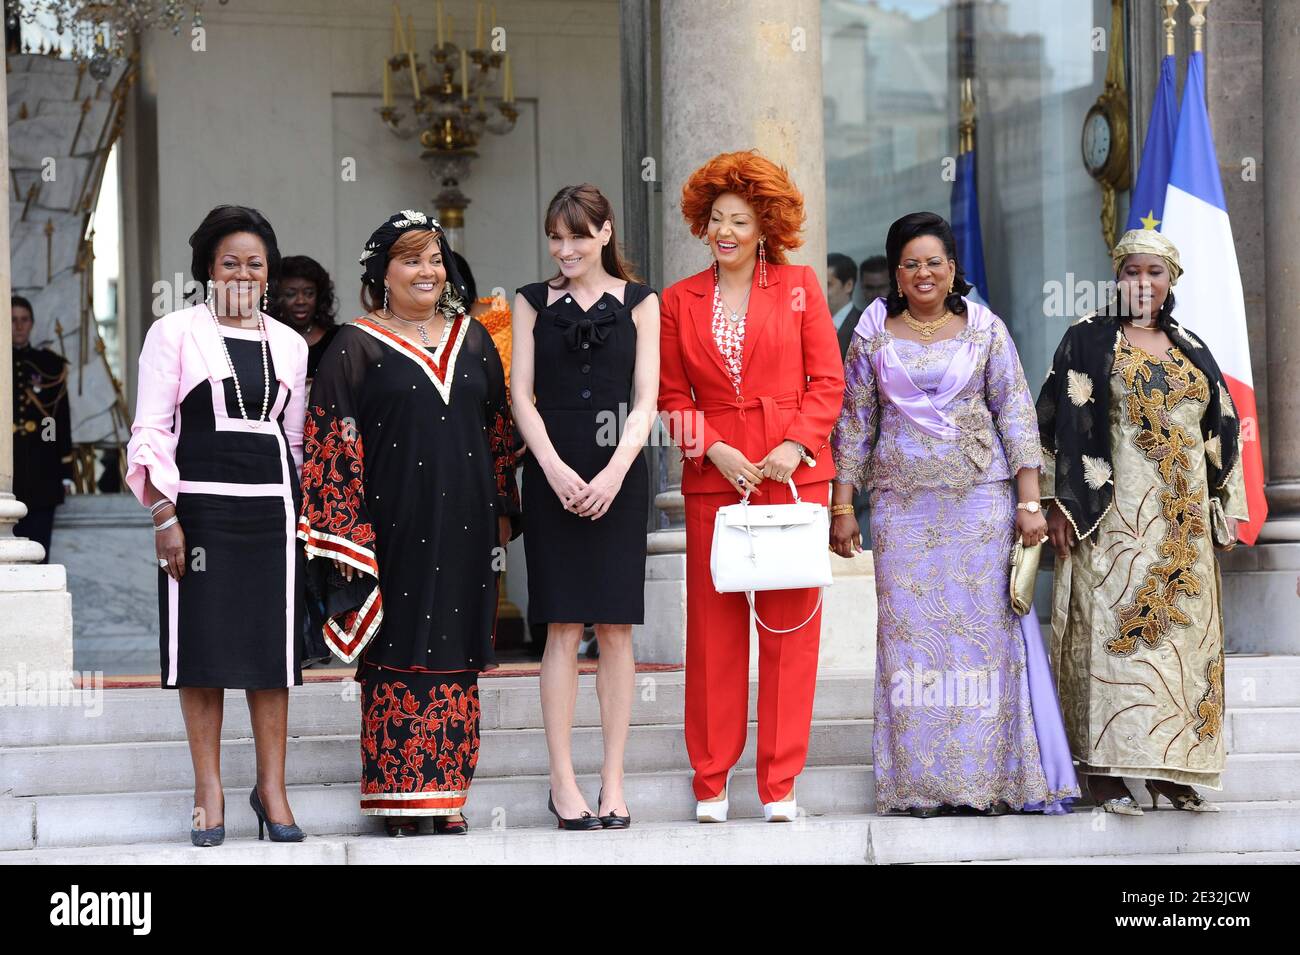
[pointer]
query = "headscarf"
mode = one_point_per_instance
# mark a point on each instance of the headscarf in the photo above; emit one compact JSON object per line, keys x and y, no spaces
{"x":1147,"y":242}
{"x":374,"y":260}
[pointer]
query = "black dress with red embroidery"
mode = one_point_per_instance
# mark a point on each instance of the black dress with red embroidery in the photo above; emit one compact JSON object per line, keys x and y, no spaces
{"x":409,"y":459}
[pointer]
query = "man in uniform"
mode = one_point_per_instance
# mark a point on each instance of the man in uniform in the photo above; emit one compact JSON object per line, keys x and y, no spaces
{"x":42,"y":429}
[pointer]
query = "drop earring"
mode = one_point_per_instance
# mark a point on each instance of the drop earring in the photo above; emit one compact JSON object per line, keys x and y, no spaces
{"x":385,"y":298}
{"x":762,"y":262}
{"x":265,"y":289}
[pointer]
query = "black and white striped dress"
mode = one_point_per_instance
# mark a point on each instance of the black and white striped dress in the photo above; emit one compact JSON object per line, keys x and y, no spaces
{"x":234,"y":618}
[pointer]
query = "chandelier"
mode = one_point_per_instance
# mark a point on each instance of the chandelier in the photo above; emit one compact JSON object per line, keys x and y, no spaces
{"x":454,"y":100}
{"x":98,"y":30}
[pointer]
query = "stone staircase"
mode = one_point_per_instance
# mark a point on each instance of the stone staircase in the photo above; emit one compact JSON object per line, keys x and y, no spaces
{"x":114,"y":787}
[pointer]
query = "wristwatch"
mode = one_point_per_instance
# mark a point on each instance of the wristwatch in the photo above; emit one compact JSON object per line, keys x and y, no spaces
{"x":1031,"y":506}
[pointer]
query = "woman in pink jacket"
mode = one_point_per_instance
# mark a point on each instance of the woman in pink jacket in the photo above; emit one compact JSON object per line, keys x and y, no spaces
{"x":215,"y":454}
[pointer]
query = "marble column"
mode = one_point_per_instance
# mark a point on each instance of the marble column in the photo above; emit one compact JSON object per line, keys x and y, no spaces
{"x":1259,"y":583}
{"x":36,"y":639}
{"x":1281,"y":113}
{"x":741,"y":76}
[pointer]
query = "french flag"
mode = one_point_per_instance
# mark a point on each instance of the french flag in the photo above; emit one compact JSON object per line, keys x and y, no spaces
{"x":1209,"y":294}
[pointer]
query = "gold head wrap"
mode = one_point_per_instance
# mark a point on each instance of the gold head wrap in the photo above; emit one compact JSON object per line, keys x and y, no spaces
{"x":1147,"y":242}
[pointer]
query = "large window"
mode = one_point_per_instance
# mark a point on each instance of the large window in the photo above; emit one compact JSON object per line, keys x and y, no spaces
{"x":892,"y":71}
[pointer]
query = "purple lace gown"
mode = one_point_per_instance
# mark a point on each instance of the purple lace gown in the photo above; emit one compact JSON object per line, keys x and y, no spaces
{"x":965,"y":711}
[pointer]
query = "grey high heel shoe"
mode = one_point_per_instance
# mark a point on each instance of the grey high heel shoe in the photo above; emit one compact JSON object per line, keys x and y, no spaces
{"x":1188,"y":801}
{"x":204,"y":838}
{"x":280,"y":832}
{"x":208,"y":837}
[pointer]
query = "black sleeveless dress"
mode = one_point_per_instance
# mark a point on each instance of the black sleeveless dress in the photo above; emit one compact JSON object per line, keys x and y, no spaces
{"x":580,"y":570}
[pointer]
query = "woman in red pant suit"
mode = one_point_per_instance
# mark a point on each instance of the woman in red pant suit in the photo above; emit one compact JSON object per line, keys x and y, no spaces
{"x":750,"y":386}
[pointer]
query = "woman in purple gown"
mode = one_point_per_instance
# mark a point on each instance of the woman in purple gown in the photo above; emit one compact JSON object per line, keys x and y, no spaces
{"x":938,"y":424}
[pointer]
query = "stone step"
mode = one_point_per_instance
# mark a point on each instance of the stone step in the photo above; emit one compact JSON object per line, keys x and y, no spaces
{"x":332,"y":708}
{"x":1264,"y":730}
{"x":1244,"y":832}
{"x":1169,"y":858}
{"x":133,"y":767}
{"x":515,"y":801}
{"x":152,"y":765}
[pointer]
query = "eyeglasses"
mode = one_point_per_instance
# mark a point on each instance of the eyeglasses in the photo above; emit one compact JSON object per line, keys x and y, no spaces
{"x":911,"y":265}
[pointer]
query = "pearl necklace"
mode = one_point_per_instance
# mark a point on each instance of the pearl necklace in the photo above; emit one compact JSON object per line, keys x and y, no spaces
{"x":266,"y":370}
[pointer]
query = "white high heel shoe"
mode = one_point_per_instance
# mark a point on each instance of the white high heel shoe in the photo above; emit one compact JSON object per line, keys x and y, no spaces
{"x":716,"y":810}
{"x":784,"y":811}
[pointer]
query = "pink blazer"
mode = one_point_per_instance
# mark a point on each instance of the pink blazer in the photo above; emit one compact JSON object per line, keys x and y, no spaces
{"x":181,"y":350}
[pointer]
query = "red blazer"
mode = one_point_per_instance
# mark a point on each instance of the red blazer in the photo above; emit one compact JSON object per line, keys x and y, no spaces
{"x":792,"y":377}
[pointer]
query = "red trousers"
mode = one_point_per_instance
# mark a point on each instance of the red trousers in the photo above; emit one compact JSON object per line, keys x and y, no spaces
{"x":717,"y":662}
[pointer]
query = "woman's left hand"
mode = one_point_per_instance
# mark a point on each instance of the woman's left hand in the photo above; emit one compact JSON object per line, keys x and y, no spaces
{"x":594,"y":502}
{"x":1031,"y":528}
{"x":781,"y":462}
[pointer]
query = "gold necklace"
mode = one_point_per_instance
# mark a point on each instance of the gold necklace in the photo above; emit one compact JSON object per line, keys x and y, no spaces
{"x":926,"y":329}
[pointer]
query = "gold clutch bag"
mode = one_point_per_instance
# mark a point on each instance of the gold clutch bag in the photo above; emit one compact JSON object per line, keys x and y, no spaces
{"x":1219,"y":532}
{"x":1024,"y":571}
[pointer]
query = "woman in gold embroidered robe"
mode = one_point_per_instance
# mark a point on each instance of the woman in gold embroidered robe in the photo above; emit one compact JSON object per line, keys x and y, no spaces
{"x":1142,"y":466}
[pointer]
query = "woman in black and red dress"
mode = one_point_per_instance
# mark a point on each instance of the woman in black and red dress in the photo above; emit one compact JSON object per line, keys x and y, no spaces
{"x":409,"y":496}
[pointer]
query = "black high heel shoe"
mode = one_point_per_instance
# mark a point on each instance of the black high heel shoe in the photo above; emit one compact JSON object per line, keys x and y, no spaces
{"x":280,"y":832}
{"x":925,"y":812}
{"x":399,"y":826}
{"x":611,"y":820}
{"x":446,"y":826}
{"x":584,"y":822}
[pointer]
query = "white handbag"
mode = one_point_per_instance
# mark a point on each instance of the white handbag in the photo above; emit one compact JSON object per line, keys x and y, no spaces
{"x":771,"y":547}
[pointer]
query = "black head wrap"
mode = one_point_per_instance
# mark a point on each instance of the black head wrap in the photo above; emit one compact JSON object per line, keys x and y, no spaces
{"x":374,"y":260}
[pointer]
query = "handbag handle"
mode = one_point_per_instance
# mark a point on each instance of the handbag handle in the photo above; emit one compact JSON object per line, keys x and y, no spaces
{"x":749,"y":595}
{"x":793,"y":490}
{"x":750,"y":531}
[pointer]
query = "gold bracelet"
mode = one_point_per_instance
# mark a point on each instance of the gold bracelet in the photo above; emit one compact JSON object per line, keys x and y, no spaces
{"x":839,"y":509}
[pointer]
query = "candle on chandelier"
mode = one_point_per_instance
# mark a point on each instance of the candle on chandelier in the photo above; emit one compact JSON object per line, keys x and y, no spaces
{"x":464,"y":74}
{"x":508,"y":82}
{"x":410,"y":33}
{"x":399,"y":41}
{"x":415,"y":73}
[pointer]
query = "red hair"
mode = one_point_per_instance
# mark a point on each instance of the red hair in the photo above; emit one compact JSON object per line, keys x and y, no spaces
{"x":763,"y":184}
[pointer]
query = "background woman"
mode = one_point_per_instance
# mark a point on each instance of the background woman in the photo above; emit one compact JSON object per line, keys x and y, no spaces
{"x":409,"y":492}
{"x":1143,"y":474}
{"x":750,"y":384}
{"x":938,"y":423}
{"x":305,"y":302}
{"x":586,"y":356}
{"x":214,"y":454}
